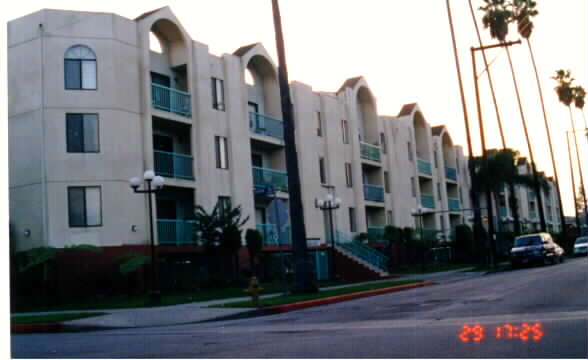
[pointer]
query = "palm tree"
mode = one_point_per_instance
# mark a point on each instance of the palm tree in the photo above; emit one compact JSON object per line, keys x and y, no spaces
{"x":579,"y":100}
{"x":568,"y":94}
{"x":303,"y":282}
{"x":498,"y":15}
{"x":523,"y":11}
{"x":512,"y":200}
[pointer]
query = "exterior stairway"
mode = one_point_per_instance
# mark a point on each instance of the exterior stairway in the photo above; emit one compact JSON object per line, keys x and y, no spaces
{"x":369,"y":258}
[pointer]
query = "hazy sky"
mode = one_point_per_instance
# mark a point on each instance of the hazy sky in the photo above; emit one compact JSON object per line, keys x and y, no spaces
{"x":403,"y":48}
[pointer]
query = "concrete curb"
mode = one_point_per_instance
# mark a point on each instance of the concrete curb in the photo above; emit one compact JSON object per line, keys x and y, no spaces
{"x":35,"y":328}
{"x":334,"y":299}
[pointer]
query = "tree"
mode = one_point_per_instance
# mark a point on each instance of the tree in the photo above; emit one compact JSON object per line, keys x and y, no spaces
{"x":580,"y":201}
{"x":254,"y":241}
{"x":463,"y":245}
{"x":497,"y":17}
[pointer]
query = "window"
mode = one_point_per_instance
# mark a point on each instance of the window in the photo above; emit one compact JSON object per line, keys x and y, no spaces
{"x":410,"y":158}
{"x":389,"y":217}
{"x":435,"y":159}
{"x":386,"y":183}
{"x":322,"y":173}
{"x":383,"y":142}
{"x":439,"y":191}
{"x":224,"y":204}
{"x":319,"y":124}
{"x":413,"y":186}
{"x":84,"y":206}
{"x":222,"y":159}
{"x":218,"y":94}
{"x":352,"y":225}
{"x":348,"y":175}
{"x":80,"y":68}
{"x":460,"y":196}
{"x":82,"y":133}
{"x":345,"y":131}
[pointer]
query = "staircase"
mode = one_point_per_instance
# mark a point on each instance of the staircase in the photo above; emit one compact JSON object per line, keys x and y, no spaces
{"x":369,"y":258}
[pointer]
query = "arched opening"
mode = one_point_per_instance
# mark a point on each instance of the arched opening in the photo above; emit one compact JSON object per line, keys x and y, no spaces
{"x":421,"y":137}
{"x":263,"y":92}
{"x":168,"y":55}
{"x":367,"y":116}
{"x":155,"y":44}
{"x":448,"y":151}
{"x":249,"y":79}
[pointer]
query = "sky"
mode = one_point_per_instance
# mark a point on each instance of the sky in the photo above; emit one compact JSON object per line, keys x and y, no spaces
{"x":403,"y":49}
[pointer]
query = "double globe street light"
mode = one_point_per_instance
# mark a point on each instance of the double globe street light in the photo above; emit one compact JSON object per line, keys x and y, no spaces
{"x":328,"y":204}
{"x":152,"y":185}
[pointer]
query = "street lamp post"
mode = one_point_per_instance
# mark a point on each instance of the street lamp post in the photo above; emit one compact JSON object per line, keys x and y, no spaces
{"x":329,"y":204}
{"x":153,"y":184}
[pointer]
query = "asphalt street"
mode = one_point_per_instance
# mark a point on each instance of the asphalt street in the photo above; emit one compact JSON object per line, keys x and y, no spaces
{"x":546,"y":308}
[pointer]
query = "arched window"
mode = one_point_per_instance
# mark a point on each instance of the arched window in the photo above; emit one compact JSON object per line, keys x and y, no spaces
{"x":80,"y":68}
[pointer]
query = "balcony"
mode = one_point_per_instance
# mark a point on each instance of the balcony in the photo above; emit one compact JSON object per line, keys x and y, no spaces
{"x":424,"y":167}
{"x":270,"y":235}
{"x":173,"y":165}
{"x":373,"y":192}
{"x":502,"y":211}
{"x":175,"y":232}
{"x":263,"y":177}
{"x":451,"y":174}
{"x":266,"y":125}
{"x":428,"y":201}
{"x":370,"y":152}
{"x":375,"y":234}
{"x":453,"y":204}
{"x":171,"y":100}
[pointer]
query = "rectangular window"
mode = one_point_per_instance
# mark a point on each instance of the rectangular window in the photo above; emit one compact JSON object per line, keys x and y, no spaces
{"x":389,"y":217}
{"x":218,"y":94}
{"x":413,"y":186}
{"x":348,"y":175}
{"x":322,"y":174}
{"x":435,"y":159}
{"x":319,"y":124}
{"x":224,"y":204}
{"x":439,"y":191}
{"x":383,"y":142}
{"x":352,"y":224}
{"x":460,"y":196}
{"x":82,"y":133}
{"x":222,"y":159}
{"x":80,"y":74}
{"x":84,"y":206}
{"x":345,"y":131}
{"x":386,"y":183}
{"x":410,"y":158}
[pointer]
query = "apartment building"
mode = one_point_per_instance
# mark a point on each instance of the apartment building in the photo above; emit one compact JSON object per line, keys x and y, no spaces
{"x":105,"y":98}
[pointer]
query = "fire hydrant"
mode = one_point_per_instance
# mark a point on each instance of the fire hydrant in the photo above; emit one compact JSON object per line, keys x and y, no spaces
{"x":254,"y":290}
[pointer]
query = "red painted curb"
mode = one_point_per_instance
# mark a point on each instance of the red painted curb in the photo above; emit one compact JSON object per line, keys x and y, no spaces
{"x":35,"y":327}
{"x":339,"y":298}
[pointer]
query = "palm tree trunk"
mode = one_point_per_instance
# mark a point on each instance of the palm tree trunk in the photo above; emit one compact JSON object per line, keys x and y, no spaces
{"x":579,"y":162}
{"x":561,"y":213}
{"x":303,"y":281}
{"x":473,"y":188}
{"x":538,"y":191}
{"x":513,"y":202}
{"x":573,"y":182}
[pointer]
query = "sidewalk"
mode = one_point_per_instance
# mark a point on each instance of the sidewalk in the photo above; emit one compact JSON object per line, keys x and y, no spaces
{"x":200,"y":311}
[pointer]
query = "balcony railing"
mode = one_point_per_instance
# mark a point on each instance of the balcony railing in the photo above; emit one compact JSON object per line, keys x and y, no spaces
{"x":451,"y":174}
{"x":175,"y":232}
{"x":502,"y":211}
{"x":453,"y":204}
{"x":173,"y":164}
{"x":424,"y":167}
{"x":375,"y":233}
{"x":370,"y":152}
{"x":365,"y":253}
{"x":270,"y":235}
{"x":428,"y":201}
{"x":172,"y":100}
{"x":266,"y":125}
{"x":373,"y":192}
{"x":278,"y":179}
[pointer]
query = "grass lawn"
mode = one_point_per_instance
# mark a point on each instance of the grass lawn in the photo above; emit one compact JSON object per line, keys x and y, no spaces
{"x":51,"y":318}
{"x":431,"y":268}
{"x":281,"y":300}
{"x":138,"y":301}
{"x":499,"y":267}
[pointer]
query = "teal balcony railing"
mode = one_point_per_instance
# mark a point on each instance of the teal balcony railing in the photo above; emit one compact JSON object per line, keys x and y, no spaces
{"x":370,"y":152}
{"x":373,"y":192}
{"x":266,"y":125}
{"x":278,"y":179}
{"x":175,"y":232}
{"x":171,"y":100}
{"x":375,"y":233}
{"x":428,"y":201}
{"x":453,"y":204}
{"x":451,"y":174}
{"x":173,"y":164}
{"x":424,"y":167}
{"x":365,"y":253}
{"x":270,"y":235}
{"x":502,"y":211}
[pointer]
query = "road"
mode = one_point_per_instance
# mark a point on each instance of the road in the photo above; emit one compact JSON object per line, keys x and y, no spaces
{"x":424,"y":322}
